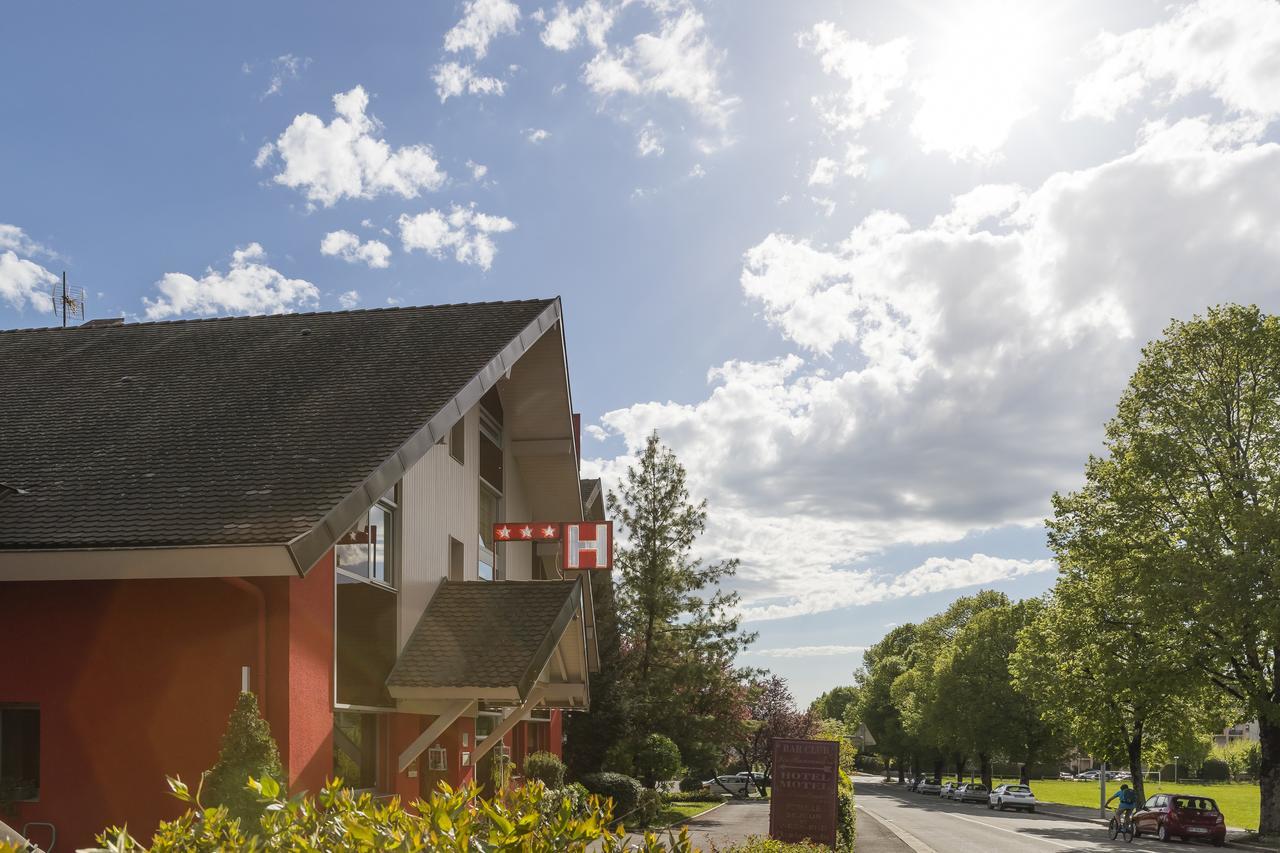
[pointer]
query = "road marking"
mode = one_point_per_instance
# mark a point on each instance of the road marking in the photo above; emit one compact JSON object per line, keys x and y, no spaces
{"x":907,"y":838}
{"x":1050,"y":842}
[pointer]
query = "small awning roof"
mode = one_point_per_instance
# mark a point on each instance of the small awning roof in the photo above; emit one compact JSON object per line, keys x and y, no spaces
{"x":494,"y":642}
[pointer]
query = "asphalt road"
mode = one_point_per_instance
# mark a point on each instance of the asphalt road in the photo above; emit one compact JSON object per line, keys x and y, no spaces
{"x":928,"y":824}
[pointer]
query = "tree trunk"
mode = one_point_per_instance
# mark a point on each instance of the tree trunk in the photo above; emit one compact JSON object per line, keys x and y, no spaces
{"x":984,"y":767}
{"x":960,"y":760}
{"x":1269,"y":777}
{"x":1135,"y":763}
{"x":1024,"y":775}
{"x":938,"y":769}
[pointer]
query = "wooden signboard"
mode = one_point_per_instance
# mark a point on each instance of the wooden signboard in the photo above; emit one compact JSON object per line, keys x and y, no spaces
{"x":806,"y":776}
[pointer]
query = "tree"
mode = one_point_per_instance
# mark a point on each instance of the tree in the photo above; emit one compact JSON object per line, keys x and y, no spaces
{"x":1190,"y":489}
{"x":882,"y":665}
{"x":832,"y":704}
{"x":771,"y":713}
{"x":247,"y":750}
{"x":589,"y":736}
{"x":678,"y":628}
{"x":658,"y":758}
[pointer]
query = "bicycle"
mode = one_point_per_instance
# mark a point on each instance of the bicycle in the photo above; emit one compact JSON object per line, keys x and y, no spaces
{"x":1121,"y":827}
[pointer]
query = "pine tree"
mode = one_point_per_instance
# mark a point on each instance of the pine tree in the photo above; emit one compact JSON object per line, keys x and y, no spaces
{"x":678,"y":627}
{"x":247,"y":749}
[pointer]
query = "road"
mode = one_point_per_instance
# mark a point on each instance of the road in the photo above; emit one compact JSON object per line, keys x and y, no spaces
{"x":928,"y":824}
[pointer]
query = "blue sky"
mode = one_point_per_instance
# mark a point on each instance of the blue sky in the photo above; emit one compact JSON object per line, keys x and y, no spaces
{"x":877,"y":271}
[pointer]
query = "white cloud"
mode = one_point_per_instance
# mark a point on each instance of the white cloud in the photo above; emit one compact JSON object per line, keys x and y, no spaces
{"x":871,"y":73}
{"x":462,"y":231}
{"x":453,"y":79}
{"x":482,"y":21}
{"x":1227,"y":48}
{"x":478,"y":171}
{"x":537,"y":135}
{"x":283,"y":69}
{"x":23,"y":281}
{"x":345,"y":245}
{"x":678,"y":61}
{"x":808,"y":651}
{"x":591,"y":21}
{"x":344,"y":159}
{"x":249,"y":286}
{"x":349,"y":299}
{"x":824,"y":172}
{"x":955,"y":373}
{"x":649,"y":141}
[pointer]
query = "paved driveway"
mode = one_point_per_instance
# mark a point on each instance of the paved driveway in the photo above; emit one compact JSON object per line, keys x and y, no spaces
{"x":724,"y":825}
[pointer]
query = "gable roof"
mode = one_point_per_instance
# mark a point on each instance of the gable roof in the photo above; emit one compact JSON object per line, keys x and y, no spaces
{"x":236,"y":431}
{"x":486,"y":635}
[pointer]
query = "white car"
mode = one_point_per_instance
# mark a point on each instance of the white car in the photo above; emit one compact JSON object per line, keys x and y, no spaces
{"x":1011,"y":797}
{"x":929,"y":786}
{"x":738,"y":785}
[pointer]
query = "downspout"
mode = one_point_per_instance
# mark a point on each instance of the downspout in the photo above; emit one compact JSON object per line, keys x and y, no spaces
{"x":260,"y":602}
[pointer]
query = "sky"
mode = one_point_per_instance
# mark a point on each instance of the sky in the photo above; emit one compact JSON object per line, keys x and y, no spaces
{"x":877,"y":272}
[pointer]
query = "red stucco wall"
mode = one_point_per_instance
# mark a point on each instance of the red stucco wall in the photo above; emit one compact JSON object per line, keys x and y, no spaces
{"x":135,"y":680}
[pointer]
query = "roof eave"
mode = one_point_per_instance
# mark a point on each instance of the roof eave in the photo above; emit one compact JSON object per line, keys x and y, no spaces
{"x":307,"y":549}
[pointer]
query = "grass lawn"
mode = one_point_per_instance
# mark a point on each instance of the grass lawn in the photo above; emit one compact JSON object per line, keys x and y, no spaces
{"x":1238,"y":801}
{"x":672,"y":812}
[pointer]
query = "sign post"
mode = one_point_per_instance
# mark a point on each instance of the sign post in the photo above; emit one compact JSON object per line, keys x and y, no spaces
{"x":806,"y":779}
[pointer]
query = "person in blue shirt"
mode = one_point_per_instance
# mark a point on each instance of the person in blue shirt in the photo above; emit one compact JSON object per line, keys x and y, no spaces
{"x":1128,"y":802}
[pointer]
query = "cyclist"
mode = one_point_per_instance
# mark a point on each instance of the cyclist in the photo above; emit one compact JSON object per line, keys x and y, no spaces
{"x":1127,"y":805}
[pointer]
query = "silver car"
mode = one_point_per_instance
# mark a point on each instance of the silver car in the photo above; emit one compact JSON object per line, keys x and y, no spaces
{"x":948,"y":790}
{"x":929,"y":786}
{"x":974,"y":792}
{"x":733,"y":786}
{"x":1011,"y":797}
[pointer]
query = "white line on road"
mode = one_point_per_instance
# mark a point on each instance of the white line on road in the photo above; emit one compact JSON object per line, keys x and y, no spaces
{"x":1020,"y":834}
{"x":907,"y":838}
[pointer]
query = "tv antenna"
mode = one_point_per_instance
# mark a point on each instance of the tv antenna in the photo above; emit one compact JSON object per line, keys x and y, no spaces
{"x":68,"y":302}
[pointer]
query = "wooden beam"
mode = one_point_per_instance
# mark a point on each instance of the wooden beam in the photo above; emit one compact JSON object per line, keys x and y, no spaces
{"x":508,"y":723}
{"x":433,"y":732}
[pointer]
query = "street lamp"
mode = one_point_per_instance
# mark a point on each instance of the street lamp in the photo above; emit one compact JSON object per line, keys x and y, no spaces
{"x":1175,"y":770}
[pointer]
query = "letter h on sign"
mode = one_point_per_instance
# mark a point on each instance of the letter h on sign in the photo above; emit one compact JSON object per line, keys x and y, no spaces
{"x":588,"y":545}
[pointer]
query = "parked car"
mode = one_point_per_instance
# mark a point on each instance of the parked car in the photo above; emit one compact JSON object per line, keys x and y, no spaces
{"x":912,"y":784}
{"x":735,"y":785}
{"x":948,"y":790}
{"x":929,"y":786}
{"x":1066,"y":776}
{"x":974,"y":792}
{"x":1011,"y":797}
{"x":1119,"y":774}
{"x":1186,"y":816}
{"x":1088,"y":776}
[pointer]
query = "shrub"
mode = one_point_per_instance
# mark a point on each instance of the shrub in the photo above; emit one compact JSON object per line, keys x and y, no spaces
{"x":760,"y":844}
{"x":578,"y":797}
{"x":247,"y":750}
{"x":623,"y":790}
{"x":691,"y":783}
{"x":648,"y":808}
{"x":339,"y":819}
{"x":1215,"y":770}
{"x":846,"y":828}
{"x":546,"y":767}
{"x":657,"y":758}
{"x":698,"y":796}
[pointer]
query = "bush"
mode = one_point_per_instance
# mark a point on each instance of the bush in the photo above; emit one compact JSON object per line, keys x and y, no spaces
{"x":1215,"y":770}
{"x":578,"y":797}
{"x":698,"y":796}
{"x":846,"y":827}
{"x":546,"y":767}
{"x":760,"y":844}
{"x":648,"y":807}
{"x":623,"y":790}
{"x":247,"y":751}
{"x":339,"y":819}
{"x":691,"y":783}
{"x":657,"y":758}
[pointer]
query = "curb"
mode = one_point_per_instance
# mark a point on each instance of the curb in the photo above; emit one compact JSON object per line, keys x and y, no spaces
{"x":685,"y":820}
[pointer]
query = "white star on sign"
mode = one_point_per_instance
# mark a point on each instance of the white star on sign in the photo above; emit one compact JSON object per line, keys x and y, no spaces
{"x":504,"y":532}
{"x":526,"y":533}
{"x":548,"y":531}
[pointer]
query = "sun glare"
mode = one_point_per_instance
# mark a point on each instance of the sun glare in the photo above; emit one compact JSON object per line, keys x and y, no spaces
{"x":979,"y":79}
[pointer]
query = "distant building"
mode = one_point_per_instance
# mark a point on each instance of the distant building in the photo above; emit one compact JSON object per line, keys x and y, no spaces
{"x":1231,"y":734}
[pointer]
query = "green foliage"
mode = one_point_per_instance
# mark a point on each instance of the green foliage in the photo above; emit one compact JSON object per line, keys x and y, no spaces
{"x":760,"y":844}
{"x":696,"y":795}
{"x":657,"y":759}
{"x":338,"y":819}
{"x":546,"y":767}
{"x":1243,"y":758}
{"x":648,"y":807}
{"x":578,"y":798}
{"x":247,"y":750}
{"x":771,"y":713}
{"x":623,"y":790}
{"x":1215,"y":770}
{"x":829,"y":729}
{"x":690,"y":784}
{"x":833,"y":704}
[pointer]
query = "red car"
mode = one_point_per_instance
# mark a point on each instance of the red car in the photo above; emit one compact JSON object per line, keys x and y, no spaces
{"x":1187,"y":816}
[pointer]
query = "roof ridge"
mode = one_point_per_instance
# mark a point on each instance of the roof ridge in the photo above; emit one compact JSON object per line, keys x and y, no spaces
{"x":284,"y":314}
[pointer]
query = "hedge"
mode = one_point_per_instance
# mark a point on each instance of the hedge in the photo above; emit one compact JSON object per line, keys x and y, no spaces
{"x":623,"y":790}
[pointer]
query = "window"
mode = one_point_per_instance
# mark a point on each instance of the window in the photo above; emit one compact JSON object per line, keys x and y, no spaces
{"x":355,"y":749}
{"x":458,"y":442}
{"x":365,"y":607}
{"x":368,"y":549}
{"x":488,"y":516}
{"x":457,"y":560}
{"x":20,"y":750}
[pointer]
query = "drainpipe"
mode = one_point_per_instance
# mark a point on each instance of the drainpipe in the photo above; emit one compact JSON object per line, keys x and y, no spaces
{"x":260,"y":602}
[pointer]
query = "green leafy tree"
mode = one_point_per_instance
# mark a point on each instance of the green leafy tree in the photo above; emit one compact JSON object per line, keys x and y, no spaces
{"x":678,"y":627}
{"x":247,"y":750}
{"x":771,"y":713}
{"x":832,"y":704}
{"x":882,"y":665}
{"x":657,"y":759}
{"x":1189,"y":489}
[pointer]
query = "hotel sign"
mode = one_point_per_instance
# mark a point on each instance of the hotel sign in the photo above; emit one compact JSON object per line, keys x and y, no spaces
{"x":806,"y":776}
{"x":584,"y":544}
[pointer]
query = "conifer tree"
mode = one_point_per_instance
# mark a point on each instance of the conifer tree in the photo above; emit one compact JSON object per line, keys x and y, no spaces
{"x":247,"y":750}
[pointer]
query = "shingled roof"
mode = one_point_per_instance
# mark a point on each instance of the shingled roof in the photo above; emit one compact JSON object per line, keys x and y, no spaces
{"x":486,"y":635}
{"x":235,"y":431}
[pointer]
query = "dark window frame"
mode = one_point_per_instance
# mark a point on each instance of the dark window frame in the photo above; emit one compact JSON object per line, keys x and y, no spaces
{"x":7,"y":774}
